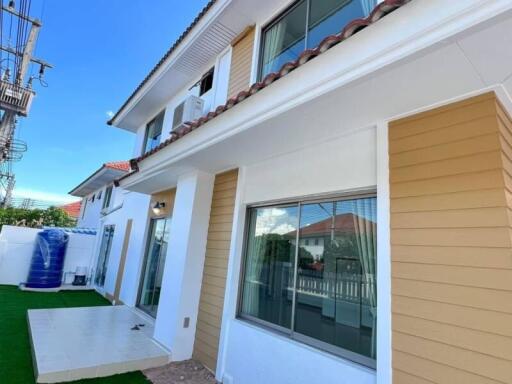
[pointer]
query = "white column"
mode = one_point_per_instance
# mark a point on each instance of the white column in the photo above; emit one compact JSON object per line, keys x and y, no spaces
{"x":384,"y":353}
{"x":183,"y":271}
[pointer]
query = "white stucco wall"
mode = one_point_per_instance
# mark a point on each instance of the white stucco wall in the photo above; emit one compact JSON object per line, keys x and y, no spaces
{"x":127,"y":205}
{"x":17,"y":245}
{"x":91,"y":217}
{"x":251,"y":354}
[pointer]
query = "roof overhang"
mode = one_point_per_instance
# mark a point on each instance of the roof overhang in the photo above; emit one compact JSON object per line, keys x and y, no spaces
{"x":194,"y":53}
{"x":103,"y":176}
{"x":371,"y":77}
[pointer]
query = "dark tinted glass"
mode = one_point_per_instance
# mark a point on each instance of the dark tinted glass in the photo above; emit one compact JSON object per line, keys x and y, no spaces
{"x":336,"y":300}
{"x":269,"y":266}
{"x":283,"y":41}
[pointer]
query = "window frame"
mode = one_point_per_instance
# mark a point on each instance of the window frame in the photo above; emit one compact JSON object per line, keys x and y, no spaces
{"x":208,"y":73}
{"x":276,"y":19}
{"x":108,"y":197}
{"x":273,"y":21}
{"x":146,"y":130}
{"x":278,"y":329}
{"x":84,"y":207}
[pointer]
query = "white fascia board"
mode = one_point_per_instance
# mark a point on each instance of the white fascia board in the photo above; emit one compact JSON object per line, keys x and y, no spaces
{"x":408,"y":30}
{"x":204,"y":23}
{"x":104,"y":176}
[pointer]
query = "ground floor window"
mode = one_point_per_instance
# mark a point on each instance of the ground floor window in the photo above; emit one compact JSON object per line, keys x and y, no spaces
{"x":310,"y":271}
{"x":103,"y":256}
{"x":153,"y":268}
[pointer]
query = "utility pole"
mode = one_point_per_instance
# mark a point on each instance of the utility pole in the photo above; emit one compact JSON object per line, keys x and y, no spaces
{"x":16,"y":95}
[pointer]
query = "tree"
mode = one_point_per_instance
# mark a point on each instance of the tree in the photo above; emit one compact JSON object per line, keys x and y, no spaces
{"x":51,"y":217}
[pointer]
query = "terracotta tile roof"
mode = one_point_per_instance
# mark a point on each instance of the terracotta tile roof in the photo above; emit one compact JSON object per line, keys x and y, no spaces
{"x":381,"y":10}
{"x":124,"y":166}
{"x":120,"y":165}
{"x":343,"y":223}
{"x":72,"y":209}
{"x":203,"y":12}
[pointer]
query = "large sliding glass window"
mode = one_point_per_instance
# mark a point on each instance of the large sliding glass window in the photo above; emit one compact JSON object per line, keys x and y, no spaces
{"x":310,"y":271}
{"x":304,"y":25}
{"x":151,"y":284}
{"x":103,"y":257}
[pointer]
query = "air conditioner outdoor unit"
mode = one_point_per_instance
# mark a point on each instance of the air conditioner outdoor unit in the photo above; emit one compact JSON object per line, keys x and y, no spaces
{"x":190,"y":109}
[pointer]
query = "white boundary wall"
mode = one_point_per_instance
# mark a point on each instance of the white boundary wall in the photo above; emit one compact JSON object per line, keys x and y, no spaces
{"x":17,"y":245}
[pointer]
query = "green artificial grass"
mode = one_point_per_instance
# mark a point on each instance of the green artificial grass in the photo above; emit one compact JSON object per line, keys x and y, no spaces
{"x":15,"y":356}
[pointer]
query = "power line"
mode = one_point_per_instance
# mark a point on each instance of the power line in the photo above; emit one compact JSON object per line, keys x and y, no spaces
{"x":15,"y":93}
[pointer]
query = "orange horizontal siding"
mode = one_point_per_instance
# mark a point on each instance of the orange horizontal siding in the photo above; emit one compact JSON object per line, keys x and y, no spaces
{"x":451,"y":244}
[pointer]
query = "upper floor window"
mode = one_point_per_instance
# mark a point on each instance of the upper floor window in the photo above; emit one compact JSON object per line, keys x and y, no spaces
{"x":84,"y":203}
{"x":153,"y":132}
{"x":304,"y":25}
{"x":108,"y":197}
{"x":206,"y":82}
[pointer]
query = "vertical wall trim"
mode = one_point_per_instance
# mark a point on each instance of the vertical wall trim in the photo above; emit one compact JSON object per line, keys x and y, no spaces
{"x":234,"y":265}
{"x":122,"y":261}
{"x":255,"y":53}
{"x":384,"y":331}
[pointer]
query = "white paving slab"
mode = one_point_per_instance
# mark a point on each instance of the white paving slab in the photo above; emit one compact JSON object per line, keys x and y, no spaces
{"x":78,"y":343}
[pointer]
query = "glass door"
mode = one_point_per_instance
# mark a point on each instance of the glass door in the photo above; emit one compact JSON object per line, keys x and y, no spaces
{"x":106,"y":245}
{"x":153,"y":269}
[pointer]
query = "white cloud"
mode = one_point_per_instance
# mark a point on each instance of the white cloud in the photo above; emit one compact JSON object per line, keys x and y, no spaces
{"x":275,"y":220}
{"x":110,"y":114}
{"x":25,"y":193}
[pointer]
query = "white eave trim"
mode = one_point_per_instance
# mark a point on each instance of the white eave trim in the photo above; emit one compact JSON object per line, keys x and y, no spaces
{"x":204,"y":23}
{"x":464,"y":15}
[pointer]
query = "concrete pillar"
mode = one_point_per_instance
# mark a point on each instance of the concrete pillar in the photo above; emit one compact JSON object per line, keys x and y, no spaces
{"x":181,"y":285}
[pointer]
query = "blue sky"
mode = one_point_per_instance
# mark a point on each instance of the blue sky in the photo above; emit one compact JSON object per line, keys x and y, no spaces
{"x":100,"y":50}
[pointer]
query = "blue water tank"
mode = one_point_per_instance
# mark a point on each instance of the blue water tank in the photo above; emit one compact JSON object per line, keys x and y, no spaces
{"x":48,"y":259}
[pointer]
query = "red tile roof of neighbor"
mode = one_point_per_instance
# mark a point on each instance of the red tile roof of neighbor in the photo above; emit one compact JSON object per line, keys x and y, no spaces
{"x":344,"y":222}
{"x":72,"y":209}
{"x":381,"y":10}
{"x":120,"y":165}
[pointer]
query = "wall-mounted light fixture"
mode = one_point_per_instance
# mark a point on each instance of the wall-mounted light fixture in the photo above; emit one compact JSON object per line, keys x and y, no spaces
{"x":158,"y":207}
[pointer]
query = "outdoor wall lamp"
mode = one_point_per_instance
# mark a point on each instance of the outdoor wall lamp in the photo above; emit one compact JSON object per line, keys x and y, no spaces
{"x":158,"y":207}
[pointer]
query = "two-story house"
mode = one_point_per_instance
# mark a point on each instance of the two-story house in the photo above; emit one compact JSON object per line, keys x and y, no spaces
{"x":119,"y":217}
{"x":330,"y":191}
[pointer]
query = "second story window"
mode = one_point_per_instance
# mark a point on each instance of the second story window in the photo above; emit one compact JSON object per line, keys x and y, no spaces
{"x":153,"y":132}
{"x":206,"y":83}
{"x":84,"y":202}
{"x":108,"y":197}
{"x":304,"y":25}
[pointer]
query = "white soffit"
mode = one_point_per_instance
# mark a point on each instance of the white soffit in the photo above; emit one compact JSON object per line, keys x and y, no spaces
{"x":191,"y":59}
{"x":96,"y":181}
{"x":490,"y":49}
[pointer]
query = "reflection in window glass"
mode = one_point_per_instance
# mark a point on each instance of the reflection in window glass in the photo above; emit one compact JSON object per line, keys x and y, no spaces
{"x":153,"y":132}
{"x":284,"y":40}
{"x":327,"y":17}
{"x":268,"y":279}
{"x":333,"y":279}
{"x":336,"y":293}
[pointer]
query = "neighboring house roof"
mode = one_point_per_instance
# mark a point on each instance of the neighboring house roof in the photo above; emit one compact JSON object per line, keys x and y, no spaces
{"x":344,"y":222}
{"x":120,"y":165}
{"x":106,"y":174}
{"x":381,"y":10}
{"x":203,"y":12}
{"x":72,"y":209}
